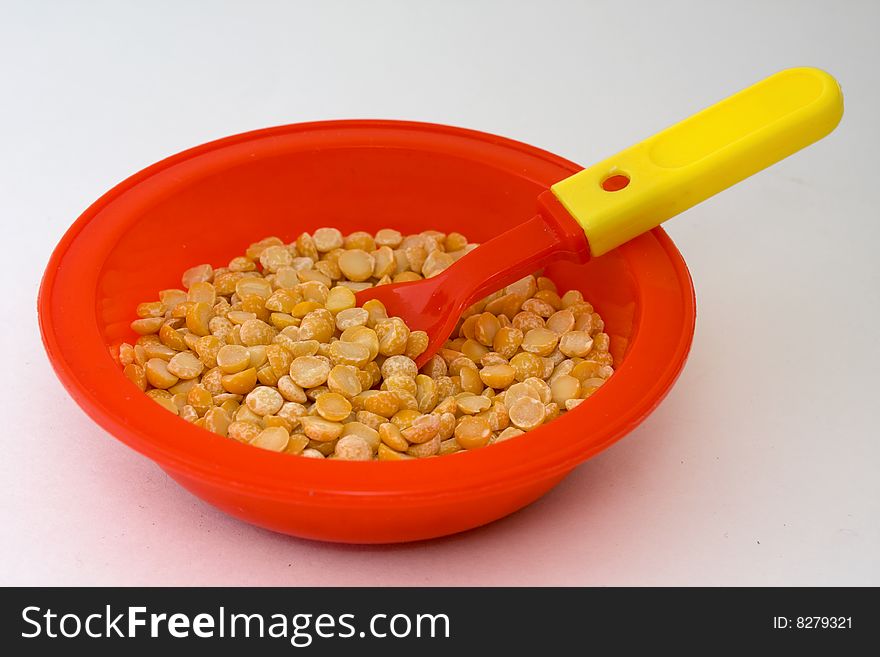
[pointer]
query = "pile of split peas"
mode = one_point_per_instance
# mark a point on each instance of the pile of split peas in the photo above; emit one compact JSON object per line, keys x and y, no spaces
{"x":273,"y":351}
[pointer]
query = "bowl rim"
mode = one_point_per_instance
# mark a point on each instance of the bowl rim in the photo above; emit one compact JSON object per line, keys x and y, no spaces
{"x":634,"y":391}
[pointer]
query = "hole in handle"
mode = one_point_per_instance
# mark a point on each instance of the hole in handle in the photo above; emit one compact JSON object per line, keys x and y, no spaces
{"x":615,"y":182}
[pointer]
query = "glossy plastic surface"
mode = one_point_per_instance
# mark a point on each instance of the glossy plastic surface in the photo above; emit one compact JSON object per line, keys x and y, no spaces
{"x":701,"y":156}
{"x":142,"y":234}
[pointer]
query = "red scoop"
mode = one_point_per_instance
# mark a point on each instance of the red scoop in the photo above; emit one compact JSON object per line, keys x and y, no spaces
{"x":434,"y":305}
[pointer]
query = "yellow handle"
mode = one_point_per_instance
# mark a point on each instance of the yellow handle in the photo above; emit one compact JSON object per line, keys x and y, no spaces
{"x":701,"y":156}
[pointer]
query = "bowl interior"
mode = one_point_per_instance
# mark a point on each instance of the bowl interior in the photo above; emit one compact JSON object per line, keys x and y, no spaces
{"x":209,"y":203}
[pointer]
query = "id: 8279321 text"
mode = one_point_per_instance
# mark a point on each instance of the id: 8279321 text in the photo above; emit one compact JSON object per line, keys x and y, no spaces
{"x":812,"y":623}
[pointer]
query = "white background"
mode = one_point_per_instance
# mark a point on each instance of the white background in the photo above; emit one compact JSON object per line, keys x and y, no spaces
{"x":760,"y":468}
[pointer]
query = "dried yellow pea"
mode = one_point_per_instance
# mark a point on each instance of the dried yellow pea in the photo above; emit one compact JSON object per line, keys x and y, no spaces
{"x":473,"y":432}
{"x":333,"y":406}
{"x":273,"y":439}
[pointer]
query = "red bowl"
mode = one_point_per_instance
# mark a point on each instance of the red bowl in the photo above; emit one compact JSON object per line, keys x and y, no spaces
{"x":208,"y":203}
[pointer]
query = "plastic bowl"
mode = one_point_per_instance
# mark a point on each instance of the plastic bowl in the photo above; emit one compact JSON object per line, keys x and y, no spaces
{"x":208,"y":203}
